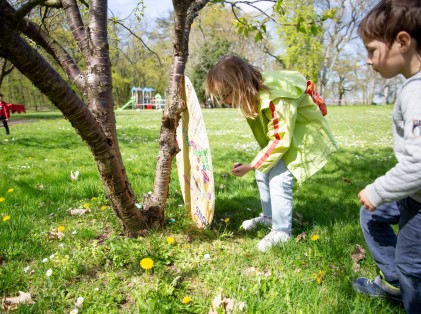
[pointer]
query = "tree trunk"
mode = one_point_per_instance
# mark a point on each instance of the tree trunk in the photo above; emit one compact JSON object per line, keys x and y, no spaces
{"x":184,"y":13}
{"x":95,"y":123}
{"x":94,"y":118}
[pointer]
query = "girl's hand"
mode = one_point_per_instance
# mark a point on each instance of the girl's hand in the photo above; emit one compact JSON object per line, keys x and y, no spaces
{"x":239,"y":170}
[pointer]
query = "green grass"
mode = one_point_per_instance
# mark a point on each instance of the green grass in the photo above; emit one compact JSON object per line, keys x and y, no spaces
{"x":92,"y":260}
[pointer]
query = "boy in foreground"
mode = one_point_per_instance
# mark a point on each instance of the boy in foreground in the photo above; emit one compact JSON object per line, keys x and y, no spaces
{"x":391,"y":33}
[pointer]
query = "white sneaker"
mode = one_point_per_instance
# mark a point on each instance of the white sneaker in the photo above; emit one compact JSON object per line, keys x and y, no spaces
{"x":252,"y":223}
{"x":274,"y":237}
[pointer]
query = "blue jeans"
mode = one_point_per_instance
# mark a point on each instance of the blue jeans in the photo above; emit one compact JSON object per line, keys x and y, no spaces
{"x":397,"y":256}
{"x":275,"y":188}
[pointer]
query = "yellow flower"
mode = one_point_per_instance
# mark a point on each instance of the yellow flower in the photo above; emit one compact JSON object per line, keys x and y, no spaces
{"x":146,"y":263}
{"x":2,"y":199}
{"x":319,"y":277}
{"x":94,"y":198}
{"x":170,"y":240}
{"x":86,"y":205}
{"x":60,"y":228}
{"x":10,"y":190}
{"x":186,"y":300}
{"x":315,"y":237}
{"x":6,"y":218}
{"x":226,"y":220}
{"x":103,"y":207}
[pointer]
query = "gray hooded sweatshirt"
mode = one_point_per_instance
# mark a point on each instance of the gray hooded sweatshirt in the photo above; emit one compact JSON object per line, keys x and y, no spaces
{"x":404,"y":179}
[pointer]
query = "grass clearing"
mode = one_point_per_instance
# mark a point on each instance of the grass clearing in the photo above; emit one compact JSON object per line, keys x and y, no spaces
{"x":92,"y":260}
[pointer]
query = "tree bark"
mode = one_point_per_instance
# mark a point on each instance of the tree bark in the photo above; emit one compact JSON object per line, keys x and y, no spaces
{"x":184,"y":12}
{"x":92,"y":114}
{"x":94,"y":121}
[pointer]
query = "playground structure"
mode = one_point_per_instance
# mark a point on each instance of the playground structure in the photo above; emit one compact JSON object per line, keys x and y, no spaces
{"x":144,"y":98}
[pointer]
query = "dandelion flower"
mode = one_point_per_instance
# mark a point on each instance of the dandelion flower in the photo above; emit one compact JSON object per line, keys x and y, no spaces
{"x":226,"y":220}
{"x":186,"y":300}
{"x":52,"y":256}
{"x":170,"y":240}
{"x":10,"y":190}
{"x":26,"y":269}
{"x":103,"y":207}
{"x":49,"y":272}
{"x":207,"y":256}
{"x":74,"y":311}
{"x":315,"y":237}
{"x":2,"y":199}
{"x":94,"y":198}
{"x":79,"y":302}
{"x":45,"y":260}
{"x":60,"y":228}
{"x":319,"y":277}
{"x":86,"y":205}
{"x":146,"y":263}
{"x":6,"y":218}
{"x":61,"y":245}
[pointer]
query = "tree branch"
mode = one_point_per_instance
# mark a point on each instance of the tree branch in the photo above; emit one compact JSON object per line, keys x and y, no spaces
{"x":252,"y":4}
{"x":77,"y":27}
{"x":29,"y":5}
{"x":42,"y":38}
{"x":137,"y":37}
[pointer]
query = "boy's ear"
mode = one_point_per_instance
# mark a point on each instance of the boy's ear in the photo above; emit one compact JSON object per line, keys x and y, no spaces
{"x":404,"y":40}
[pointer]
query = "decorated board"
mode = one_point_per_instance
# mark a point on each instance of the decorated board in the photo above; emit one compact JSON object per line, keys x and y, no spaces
{"x":194,"y":161}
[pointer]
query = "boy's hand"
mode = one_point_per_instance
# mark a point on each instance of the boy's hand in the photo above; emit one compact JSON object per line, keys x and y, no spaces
{"x":239,"y":170}
{"x":365,"y":202}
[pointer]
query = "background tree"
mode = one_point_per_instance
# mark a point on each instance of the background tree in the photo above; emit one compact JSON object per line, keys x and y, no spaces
{"x":301,"y":40}
{"x":208,"y":54}
{"x":339,"y":34}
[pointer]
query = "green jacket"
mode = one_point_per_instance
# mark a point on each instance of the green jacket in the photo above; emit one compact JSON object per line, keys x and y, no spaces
{"x":290,"y":126}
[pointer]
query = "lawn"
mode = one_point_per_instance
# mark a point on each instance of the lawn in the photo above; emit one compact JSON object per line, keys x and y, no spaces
{"x":60,"y":258}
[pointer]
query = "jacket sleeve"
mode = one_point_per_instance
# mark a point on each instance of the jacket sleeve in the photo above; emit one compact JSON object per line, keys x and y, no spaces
{"x":281,"y":121}
{"x":404,"y":179}
{"x":5,"y":111}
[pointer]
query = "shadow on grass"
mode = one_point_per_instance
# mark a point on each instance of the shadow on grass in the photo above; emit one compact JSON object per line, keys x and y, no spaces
{"x":329,"y":197}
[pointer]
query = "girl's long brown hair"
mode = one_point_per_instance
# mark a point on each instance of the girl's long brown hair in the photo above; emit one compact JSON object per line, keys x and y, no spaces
{"x":242,"y":80}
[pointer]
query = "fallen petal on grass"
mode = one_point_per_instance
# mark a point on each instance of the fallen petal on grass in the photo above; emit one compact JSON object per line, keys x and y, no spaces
{"x":357,"y":255}
{"x":12,"y":303}
{"x":77,"y":211}
{"x":74,"y":175}
{"x":55,"y":235}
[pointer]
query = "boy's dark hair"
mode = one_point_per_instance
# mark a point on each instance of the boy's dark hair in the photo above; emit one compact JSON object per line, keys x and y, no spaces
{"x":389,"y":17}
{"x":1,"y":95}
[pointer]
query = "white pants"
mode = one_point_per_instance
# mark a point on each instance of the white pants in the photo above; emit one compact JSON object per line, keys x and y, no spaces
{"x":275,"y":188}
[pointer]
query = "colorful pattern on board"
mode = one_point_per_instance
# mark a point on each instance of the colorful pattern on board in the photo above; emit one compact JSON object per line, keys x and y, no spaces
{"x":194,"y":162}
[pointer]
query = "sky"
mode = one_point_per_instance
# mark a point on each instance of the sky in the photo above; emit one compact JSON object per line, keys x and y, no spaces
{"x":153,"y":8}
